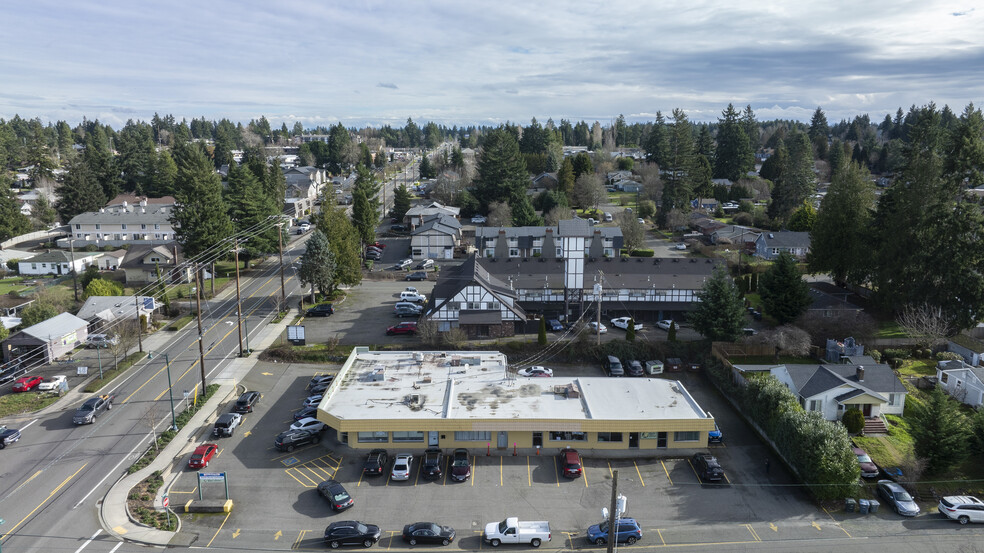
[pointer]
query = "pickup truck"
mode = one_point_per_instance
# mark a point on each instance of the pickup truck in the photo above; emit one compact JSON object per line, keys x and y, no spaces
{"x":8,"y":436}
{"x":513,"y":530}
{"x":90,"y":410}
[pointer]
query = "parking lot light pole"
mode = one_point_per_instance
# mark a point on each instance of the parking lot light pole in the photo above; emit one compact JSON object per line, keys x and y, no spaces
{"x":170,"y":394}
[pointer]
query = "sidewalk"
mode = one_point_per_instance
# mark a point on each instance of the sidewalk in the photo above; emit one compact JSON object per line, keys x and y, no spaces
{"x":113,"y":514}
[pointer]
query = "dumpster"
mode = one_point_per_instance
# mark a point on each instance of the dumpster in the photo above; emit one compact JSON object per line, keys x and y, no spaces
{"x":850,"y":505}
{"x":863,"y":506}
{"x":873,"y":505}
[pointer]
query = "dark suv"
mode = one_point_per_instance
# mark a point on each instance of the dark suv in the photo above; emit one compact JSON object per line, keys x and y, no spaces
{"x":433,"y":459}
{"x":322,"y":310}
{"x":634,"y":368}
{"x":375,"y":463}
{"x":246,"y":402}
{"x":707,"y":467}
{"x":289,"y":439}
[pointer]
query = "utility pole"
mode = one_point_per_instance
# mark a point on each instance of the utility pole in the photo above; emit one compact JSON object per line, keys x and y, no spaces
{"x":201,"y":335}
{"x":136,"y":310}
{"x":280,"y":242}
{"x":598,"y":292}
{"x":612,"y":518}
{"x":75,"y":274}
{"x":239,"y":305}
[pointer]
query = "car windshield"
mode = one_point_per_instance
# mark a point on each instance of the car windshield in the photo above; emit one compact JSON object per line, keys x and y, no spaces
{"x":460,"y":462}
{"x":863,"y":458}
{"x":902,"y":496}
{"x":603,"y":526}
{"x":361,"y":527}
{"x":86,"y":407}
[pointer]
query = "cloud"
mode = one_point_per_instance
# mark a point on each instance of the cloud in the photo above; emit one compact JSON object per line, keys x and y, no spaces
{"x":387,"y":85}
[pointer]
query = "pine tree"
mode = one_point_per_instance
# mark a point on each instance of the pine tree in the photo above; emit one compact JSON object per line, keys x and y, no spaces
{"x":426,"y":169}
{"x":657,"y":142}
{"x":365,"y":204}
{"x":12,"y":221}
{"x":523,"y":214}
{"x":565,"y":180}
{"x":677,"y":186}
{"x":784,"y":293}
{"x":502,"y":172}
{"x":630,"y":331}
{"x":734,"y":156}
{"x":250,"y":209}
{"x":818,"y":133}
{"x":720,"y":314}
{"x":200,"y":216}
{"x":401,"y":202}
{"x":939,"y":432}
{"x":79,"y":193}
{"x":165,"y":173}
{"x":42,"y":212}
{"x":803,"y":219}
{"x":318,"y":264}
{"x":344,"y":241}
{"x":671,"y":334}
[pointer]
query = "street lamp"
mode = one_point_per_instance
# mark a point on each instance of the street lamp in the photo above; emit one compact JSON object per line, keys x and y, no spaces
{"x":170,"y":395}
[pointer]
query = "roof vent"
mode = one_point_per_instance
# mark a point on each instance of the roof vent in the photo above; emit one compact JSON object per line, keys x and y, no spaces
{"x":772,"y":235}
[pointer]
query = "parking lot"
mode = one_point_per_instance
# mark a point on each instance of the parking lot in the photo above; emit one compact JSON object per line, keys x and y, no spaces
{"x":277,"y":504}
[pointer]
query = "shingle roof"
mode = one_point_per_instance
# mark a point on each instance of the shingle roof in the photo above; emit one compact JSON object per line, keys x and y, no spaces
{"x":441,"y":223}
{"x":471,"y":272}
{"x":634,"y":273}
{"x":811,"y":380}
{"x":787,"y":239}
{"x":58,"y":256}
{"x":55,"y":327}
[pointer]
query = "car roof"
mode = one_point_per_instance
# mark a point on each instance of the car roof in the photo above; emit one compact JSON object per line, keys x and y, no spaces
{"x":963,"y":499}
{"x":203,"y":448}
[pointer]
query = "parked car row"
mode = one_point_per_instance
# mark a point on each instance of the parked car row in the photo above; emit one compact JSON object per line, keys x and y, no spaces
{"x":633,"y":367}
{"x":306,"y":428}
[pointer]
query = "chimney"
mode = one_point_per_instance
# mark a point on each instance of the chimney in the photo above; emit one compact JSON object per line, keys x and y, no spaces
{"x":124,"y":204}
{"x":143,"y":202}
{"x":860,"y":373}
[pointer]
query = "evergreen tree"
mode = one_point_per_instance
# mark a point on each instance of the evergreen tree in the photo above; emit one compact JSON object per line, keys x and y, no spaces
{"x":541,"y":336}
{"x":12,"y":221}
{"x":79,"y":192}
{"x":751,"y":127}
{"x":103,"y":287}
{"x":818,"y":133}
{"x":630,"y":331}
{"x":565,"y":180}
{"x":939,"y":432}
{"x":774,"y":168}
{"x":344,"y":242}
{"x":365,"y":204}
{"x":42,"y":212}
{"x":677,"y":186}
{"x":784,"y":293}
{"x":318,"y":264}
{"x":720,"y":314}
{"x":426,"y":168}
{"x":796,"y":181}
{"x":671,"y":334}
{"x":200,"y":216}
{"x":734,"y":156}
{"x":840,"y":241}
{"x":165,"y":174}
{"x":401,"y":202}
{"x":502,"y":173}
{"x":835,"y":157}
{"x":42,"y":166}
{"x":98,"y":157}
{"x":338,"y":149}
{"x":365,"y":158}
{"x":582,"y":165}
{"x":250,"y":209}
{"x":964,"y":162}
{"x":657,"y":142}
{"x":457,"y":158}
{"x":523,"y":214}
{"x":803,"y":219}
{"x":37,"y":312}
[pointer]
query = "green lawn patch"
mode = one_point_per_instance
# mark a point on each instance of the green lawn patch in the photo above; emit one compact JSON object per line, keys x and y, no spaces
{"x":110,"y":374}
{"x":918,"y":367}
{"x":180,"y":323}
{"x":165,"y":437}
{"x":315,"y":353}
{"x":9,"y":285}
{"x":25,"y":402}
{"x":890,"y":329}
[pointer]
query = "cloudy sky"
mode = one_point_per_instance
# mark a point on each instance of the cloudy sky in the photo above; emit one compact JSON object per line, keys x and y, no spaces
{"x":461,"y":62}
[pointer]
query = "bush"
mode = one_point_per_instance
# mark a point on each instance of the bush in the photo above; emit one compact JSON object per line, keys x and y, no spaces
{"x":948,"y":356}
{"x":897,"y":353}
{"x":853,"y":420}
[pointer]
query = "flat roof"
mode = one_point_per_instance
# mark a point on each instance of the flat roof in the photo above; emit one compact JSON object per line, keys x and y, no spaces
{"x":477,"y":385}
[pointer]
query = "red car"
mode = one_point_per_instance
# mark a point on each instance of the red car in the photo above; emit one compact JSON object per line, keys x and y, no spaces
{"x":27,"y":383}
{"x":376,"y":245}
{"x":402,"y":328}
{"x":202,"y":455}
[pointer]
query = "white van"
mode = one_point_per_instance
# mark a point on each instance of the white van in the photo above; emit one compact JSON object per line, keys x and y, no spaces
{"x":608,"y":217}
{"x":654,"y":367}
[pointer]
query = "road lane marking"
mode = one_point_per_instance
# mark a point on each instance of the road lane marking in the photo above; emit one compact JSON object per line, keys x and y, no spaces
{"x":297,"y":541}
{"x":640,"y":474}
{"x":660,"y":534}
{"x":278,"y":535}
{"x":236,"y":533}
{"x":295,"y":478}
{"x":117,"y":546}
{"x":50,"y":495}
{"x":209,"y":544}
{"x":88,"y":541}
{"x":529,"y":476}
{"x":33,"y":476}
{"x":666,"y":471}
{"x":752,"y":532}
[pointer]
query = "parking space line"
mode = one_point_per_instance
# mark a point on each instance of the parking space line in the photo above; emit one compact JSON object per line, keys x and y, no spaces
{"x":611,"y":474}
{"x":219,"y":530}
{"x":660,"y":534}
{"x":726,"y":479}
{"x":474,"y":469}
{"x":752,"y":532}
{"x":420,"y":466}
{"x":311,"y":470}
{"x":640,"y":474}
{"x":529,"y":477}
{"x":481,"y":542}
{"x":447,"y":469}
{"x":327,"y":468}
{"x":390,"y":544}
{"x":693,"y":468}
{"x":500,"y":471}
{"x":570,"y":538}
{"x":297,"y":541}
{"x":176,"y":491}
{"x":584,"y":473}
{"x":556,"y":475}
{"x":295,"y":478}
{"x":299,"y":473}
{"x":666,"y":471}
{"x":360,"y":479}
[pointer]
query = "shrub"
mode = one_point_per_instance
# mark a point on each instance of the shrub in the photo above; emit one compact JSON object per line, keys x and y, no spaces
{"x":897,"y":353}
{"x":876,"y":355}
{"x":948,"y":356}
{"x":853,"y":420}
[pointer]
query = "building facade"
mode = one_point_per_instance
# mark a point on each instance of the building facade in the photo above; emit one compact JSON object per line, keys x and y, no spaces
{"x":127,"y":219}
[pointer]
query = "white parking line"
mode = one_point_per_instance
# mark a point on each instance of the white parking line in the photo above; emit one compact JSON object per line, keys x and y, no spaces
{"x":81,"y":547}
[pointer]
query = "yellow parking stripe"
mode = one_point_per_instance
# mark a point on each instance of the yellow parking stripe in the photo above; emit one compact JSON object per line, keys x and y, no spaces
{"x":289,"y":473}
{"x":667,"y":472}
{"x":529,"y":476}
{"x":640,"y":474}
{"x":301,"y":474}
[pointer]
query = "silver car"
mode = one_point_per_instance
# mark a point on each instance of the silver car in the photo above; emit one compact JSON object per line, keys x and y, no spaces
{"x":896,"y":496}
{"x":401,"y":467}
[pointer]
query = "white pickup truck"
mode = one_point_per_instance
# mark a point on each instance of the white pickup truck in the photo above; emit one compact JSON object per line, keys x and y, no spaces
{"x":512,"y":530}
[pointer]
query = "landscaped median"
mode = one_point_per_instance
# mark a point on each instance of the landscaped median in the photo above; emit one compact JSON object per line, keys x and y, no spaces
{"x":109,"y":374}
{"x":26,"y":402}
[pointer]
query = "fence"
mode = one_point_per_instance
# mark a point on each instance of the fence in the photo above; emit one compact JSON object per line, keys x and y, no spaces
{"x":38,"y":235}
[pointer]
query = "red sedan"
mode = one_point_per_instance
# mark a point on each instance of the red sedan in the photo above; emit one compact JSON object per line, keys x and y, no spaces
{"x":202,"y":455}
{"x":376,"y":245}
{"x":402,"y":328}
{"x":27,"y":383}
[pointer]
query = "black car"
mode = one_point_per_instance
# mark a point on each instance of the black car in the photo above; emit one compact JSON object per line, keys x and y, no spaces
{"x":335,"y":493}
{"x":460,"y":465}
{"x":707,"y":467}
{"x":8,"y":436}
{"x":398,"y":228}
{"x":416,"y":275}
{"x":351,"y":532}
{"x":319,"y":388}
{"x":433,"y":460}
{"x":246,"y":402}
{"x":305,"y":412}
{"x":321,"y":310}
{"x":321,"y":379}
{"x":427,"y":532}
{"x":290,"y":439}
{"x":375,"y":463}
{"x":407,"y":312}
{"x":634,"y":368}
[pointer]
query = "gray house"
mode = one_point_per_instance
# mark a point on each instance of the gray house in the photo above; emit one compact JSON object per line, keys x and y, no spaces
{"x":435,"y":238}
{"x":47,"y":340}
{"x":770,"y":244}
{"x":545,"y":242}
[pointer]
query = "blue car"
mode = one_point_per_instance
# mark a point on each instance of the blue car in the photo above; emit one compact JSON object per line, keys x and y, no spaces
{"x":629,"y":532}
{"x":554,"y":324}
{"x":715,"y":436}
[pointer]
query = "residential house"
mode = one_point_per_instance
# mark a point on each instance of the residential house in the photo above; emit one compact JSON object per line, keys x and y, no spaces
{"x":971,"y":349}
{"x":735,"y":234}
{"x":56,"y":262}
{"x":472,"y":299}
{"x":102,"y":311}
{"x":627,"y":185}
{"x":770,"y":244}
{"x":706,"y":226}
{"x":304,"y":186}
{"x":963,"y":382}
{"x":126,"y":219}
{"x":832,"y":388}
{"x":142,"y":263}
{"x":521,"y":242}
{"x":614,"y":176}
{"x":436,"y":238}
{"x":545,"y":181}
{"x":110,"y":261}
{"x":417,"y":214}
{"x":707,"y":204}
{"x":44,"y":342}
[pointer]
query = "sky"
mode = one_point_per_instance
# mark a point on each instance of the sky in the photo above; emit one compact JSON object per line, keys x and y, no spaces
{"x":366,"y":62}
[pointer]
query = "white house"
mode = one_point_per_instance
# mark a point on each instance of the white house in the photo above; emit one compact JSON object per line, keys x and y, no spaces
{"x":56,"y":262}
{"x":436,"y":238}
{"x":126,"y":219}
{"x":468,"y":297}
{"x":417,"y":214}
{"x":971,"y":349}
{"x":962,"y":381}
{"x":100,"y":311}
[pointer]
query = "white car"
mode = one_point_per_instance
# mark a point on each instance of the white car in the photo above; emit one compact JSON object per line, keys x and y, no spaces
{"x":403,"y":264}
{"x":681,"y":246}
{"x":641,"y":221}
{"x":478,"y":219}
{"x":313,"y":401}
{"x":535,"y":370}
{"x":623,"y":323}
{"x":413,"y":296}
{"x":309,"y":423}
{"x":53,"y":384}
{"x":597,"y":327}
{"x":665,"y":325}
{"x":401,"y":467}
{"x":411,"y":289}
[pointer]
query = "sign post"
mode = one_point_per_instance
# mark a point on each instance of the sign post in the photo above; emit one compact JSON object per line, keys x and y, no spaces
{"x":165,"y":501}
{"x":212,"y":477}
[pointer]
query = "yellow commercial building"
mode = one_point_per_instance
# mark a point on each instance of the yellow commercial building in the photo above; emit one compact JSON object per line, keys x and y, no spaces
{"x":473,"y":400}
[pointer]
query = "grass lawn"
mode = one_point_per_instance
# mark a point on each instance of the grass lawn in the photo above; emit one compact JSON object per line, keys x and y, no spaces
{"x":891,"y":450}
{"x":9,"y":285}
{"x":110,"y":374}
{"x":918,"y":367}
{"x":180,"y":323}
{"x":25,"y":402}
{"x":890,"y":329}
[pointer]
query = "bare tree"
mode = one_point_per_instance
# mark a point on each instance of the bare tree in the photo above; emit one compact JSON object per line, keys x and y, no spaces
{"x":126,"y":337}
{"x":589,"y":190}
{"x":676,"y":219}
{"x":447,"y":188}
{"x":787,"y":340}
{"x":500,"y":215}
{"x":652,"y":184}
{"x":926,"y":323}
{"x":428,"y":333}
{"x":150,"y":418}
{"x":455,"y":337}
{"x":555,"y":215}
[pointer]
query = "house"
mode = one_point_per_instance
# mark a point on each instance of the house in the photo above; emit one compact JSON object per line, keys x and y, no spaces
{"x":627,"y":185}
{"x":614,"y":176}
{"x":971,"y":349}
{"x":963,"y":382}
{"x":110,"y":261}
{"x":142,"y":263}
{"x":545,"y":181}
{"x":708,"y":204}
{"x":102,"y":311}
{"x":472,"y":299}
{"x":524,"y":242}
{"x":827,"y":305}
{"x":735,"y":234}
{"x":56,"y":262}
{"x":770,"y":244}
{"x":436,"y":238}
{"x":707,"y":226}
{"x":126,"y":219}
{"x":417,"y":214}
{"x":47,"y":340}
{"x":832,"y":388}
{"x":303,"y":188}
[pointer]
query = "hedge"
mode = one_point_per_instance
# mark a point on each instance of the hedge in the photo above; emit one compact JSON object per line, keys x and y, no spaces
{"x":639,"y":253}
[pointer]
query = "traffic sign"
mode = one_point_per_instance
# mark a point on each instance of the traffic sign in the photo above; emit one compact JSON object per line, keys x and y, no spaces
{"x":211,"y":476}
{"x":165,"y":501}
